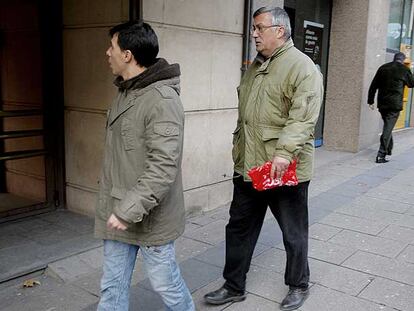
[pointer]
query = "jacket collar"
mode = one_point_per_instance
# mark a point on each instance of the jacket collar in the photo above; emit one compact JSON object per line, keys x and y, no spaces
{"x":264,"y":63}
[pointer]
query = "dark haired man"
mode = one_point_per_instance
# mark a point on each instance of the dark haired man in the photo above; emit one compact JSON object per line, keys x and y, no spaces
{"x":140,"y":202}
{"x":279,"y":100}
{"x":389,"y":80}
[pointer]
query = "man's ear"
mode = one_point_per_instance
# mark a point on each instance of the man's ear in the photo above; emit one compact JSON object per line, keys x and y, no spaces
{"x":128,"y":56}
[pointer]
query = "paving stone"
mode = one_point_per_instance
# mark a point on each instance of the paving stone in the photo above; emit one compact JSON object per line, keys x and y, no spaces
{"x":89,"y":282}
{"x":393,"y":269}
{"x":370,"y":213}
{"x":353,"y":223}
{"x":322,"y":232}
{"x":49,"y":295}
{"x":273,"y":259}
{"x":369,"y":243}
{"x":407,"y":254}
{"x":69,"y":220}
{"x":338,"y":278}
{"x":406,"y":221}
{"x":266,"y":284}
{"x":254,"y":303}
{"x":381,"y":204}
{"x":202,"y":220}
{"x":351,"y":189}
{"x":329,"y":252}
{"x":69,"y":268}
{"x":212,"y":233}
{"x":326,"y":299}
{"x":316,"y":214}
{"x":186,"y":248}
{"x":384,"y":171}
{"x":214,"y":255}
{"x":144,"y":299}
{"x":410,"y":211}
{"x":386,"y":194}
{"x":51,"y":234}
{"x":393,"y":294}
{"x":329,"y":201}
{"x":398,"y":233}
{"x":270,"y":234}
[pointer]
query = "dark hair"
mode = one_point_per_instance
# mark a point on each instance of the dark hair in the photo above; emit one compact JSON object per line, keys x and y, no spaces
{"x":140,"y":39}
{"x":399,"y":57}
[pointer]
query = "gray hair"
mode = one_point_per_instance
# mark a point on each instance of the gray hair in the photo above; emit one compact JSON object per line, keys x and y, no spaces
{"x":279,"y":17}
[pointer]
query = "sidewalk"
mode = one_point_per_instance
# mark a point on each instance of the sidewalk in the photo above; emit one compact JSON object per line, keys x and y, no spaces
{"x":361,"y":248}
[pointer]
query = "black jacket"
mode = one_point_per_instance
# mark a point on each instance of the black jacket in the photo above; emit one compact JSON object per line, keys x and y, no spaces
{"x":390,"y":80}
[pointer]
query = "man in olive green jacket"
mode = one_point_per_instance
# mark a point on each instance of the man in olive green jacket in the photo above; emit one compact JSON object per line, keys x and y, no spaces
{"x":140,"y":202}
{"x":279,"y":102}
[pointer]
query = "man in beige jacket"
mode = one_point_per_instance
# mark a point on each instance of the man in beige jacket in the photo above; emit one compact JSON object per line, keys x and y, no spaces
{"x":279,"y":101}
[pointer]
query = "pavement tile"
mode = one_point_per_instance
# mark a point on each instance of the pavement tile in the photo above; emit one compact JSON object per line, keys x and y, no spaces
{"x":338,"y":278}
{"x":370,"y":213}
{"x":406,"y":221}
{"x":369,"y":243}
{"x":90,"y":282}
{"x":393,"y":294}
{"x":353,"y":223}
{"x":329,"y":252}
{"x":393,"y":269}
{"x":144,"y":299}
{"x":270,"y":234}
{"x":322,"y":232}
{"x":69,"y":220}
{"x":386,"y":194}
{"x":381,"y":204}
{"x":49,"y":295}
{"x":68,"y":269}
{"x":407,"y":254}
{"x":329,"y":201}
{"x":186,"y":248}
{"x":254,"y":303}
{"x":315,"y":214}
{"x":326,"y":299}
{"x":273,"y":259}
{"x":266,"y":284}
{"x":212,"y":233}
{"x":398,"y":233}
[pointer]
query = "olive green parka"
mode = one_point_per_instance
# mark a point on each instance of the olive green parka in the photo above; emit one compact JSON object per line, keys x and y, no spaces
{"x":141,"y":181}
{"x":279,"y":103}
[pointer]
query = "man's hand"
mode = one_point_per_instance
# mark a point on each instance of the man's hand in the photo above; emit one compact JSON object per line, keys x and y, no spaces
{"x":372,"y":107}
{"x":279,"y":167}
{"x":114,"y":223}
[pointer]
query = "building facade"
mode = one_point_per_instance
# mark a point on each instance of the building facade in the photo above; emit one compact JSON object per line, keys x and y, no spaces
{"x":56,"y":86}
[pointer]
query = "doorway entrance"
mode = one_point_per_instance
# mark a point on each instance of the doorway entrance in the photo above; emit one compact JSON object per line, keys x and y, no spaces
{"x":31,"y":107}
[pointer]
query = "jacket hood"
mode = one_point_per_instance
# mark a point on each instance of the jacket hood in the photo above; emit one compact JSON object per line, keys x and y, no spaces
{"x":160,"y":70}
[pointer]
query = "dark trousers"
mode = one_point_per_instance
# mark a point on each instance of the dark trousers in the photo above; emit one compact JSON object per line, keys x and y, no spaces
{"x":386,"y":141}
{"x":289,"y":206}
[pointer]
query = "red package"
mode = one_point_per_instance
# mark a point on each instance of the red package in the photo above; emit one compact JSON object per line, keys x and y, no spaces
{"x":261,"y":179}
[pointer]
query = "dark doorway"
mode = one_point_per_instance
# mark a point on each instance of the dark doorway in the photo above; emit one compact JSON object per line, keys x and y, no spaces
{"x":31,"y":107}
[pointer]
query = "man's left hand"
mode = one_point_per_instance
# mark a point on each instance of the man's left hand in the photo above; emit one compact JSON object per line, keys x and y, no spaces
{"x":115,"y":223}
{"x":279,"y":167}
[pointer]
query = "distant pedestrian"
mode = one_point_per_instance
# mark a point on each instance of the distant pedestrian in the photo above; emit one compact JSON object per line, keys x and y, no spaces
{"x":280,"y":96}
{"x":389,"y":80}
{"x":140,"y":202}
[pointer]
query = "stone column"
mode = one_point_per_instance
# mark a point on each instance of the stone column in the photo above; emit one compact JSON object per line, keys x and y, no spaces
{"x":357,"y":49}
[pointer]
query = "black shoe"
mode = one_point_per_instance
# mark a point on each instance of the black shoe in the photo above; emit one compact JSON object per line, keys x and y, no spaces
{"x":294,"y":299}
{"x":381,"y":160}
{"x":222,"y":295}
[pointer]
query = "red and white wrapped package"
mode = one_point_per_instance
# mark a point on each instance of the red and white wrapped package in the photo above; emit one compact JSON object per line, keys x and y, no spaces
{"x":261,"y":179}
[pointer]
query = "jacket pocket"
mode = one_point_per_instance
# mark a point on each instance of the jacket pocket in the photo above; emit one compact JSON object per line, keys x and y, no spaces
{"x":236,"y":147}
{"x":143,"y":226}
{"x":127,"y":134}
{"x":270,"y":137}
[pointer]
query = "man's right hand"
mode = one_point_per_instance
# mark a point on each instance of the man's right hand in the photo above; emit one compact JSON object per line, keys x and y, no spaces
{"x":372,"y":107}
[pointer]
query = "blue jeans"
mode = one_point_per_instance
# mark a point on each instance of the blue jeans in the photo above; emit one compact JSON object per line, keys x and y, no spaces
{"x":162,"y":270}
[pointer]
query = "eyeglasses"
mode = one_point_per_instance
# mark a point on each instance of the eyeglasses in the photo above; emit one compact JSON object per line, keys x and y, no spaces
{"x":261,"y":28}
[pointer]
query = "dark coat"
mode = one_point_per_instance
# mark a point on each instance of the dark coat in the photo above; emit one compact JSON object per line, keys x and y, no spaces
{"x":390,"y":80}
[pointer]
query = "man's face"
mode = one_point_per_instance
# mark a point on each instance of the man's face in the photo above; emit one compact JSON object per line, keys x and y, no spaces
{"x":269,"y":38}
{"x":116,"y":57}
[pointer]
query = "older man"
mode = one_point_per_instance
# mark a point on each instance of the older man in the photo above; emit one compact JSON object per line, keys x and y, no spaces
{"x":279,"y":101}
